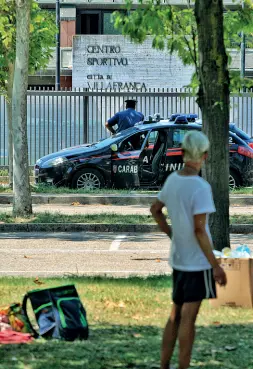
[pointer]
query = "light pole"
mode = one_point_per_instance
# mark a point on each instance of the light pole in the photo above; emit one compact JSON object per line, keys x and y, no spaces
{"x":58,"y":48}
{"x":242,"y":50}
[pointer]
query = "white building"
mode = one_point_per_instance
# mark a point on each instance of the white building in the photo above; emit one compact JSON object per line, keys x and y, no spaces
{"x":91,"y":21}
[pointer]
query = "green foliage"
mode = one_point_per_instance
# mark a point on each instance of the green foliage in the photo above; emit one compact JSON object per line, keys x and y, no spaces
{"x":42,"y":41}
{"x":236,"y":22}
{"x":175,"y":29}
{"x":150,"y":20}
{"x":236,"y":82}
{"x":42,"y":38}
{"x":168,"y":26}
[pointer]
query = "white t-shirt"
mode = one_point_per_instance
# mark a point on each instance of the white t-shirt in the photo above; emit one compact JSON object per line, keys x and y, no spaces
{"x":184,"y":197}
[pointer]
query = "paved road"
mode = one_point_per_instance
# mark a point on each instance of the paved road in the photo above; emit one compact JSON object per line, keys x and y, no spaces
{"x":58,"y":254}
{"x":100,"y":209}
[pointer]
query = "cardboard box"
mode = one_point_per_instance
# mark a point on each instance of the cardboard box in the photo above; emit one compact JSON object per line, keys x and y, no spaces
{"x":239,"y":289}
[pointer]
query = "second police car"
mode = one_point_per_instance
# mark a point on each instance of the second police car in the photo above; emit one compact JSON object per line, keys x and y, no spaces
{"x":141,"y":156}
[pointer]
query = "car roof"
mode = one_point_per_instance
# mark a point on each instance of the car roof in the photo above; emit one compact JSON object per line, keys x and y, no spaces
{"x":167,"y":124}
{"x":164,"y":124}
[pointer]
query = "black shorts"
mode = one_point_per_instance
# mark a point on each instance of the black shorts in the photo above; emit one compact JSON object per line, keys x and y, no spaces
{"x":193,"y":286}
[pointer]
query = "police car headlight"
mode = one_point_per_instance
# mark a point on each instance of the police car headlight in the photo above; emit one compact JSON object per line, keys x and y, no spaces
{"x":54,"y":162}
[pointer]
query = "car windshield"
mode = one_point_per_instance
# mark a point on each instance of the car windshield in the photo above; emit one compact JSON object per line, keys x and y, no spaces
{"x":114,"y":138}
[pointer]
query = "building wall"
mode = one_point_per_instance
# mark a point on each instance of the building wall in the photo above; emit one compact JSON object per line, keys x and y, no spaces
{"x":66,"y":82}
{"x":111,"y":61}
{"x":69,"y":23}
{"x":68,"y":30}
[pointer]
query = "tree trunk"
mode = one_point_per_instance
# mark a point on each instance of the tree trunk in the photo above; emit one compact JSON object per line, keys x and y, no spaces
{"x":22,"y":203}
{"x":213,"y":100}
{"x":9,"y":119}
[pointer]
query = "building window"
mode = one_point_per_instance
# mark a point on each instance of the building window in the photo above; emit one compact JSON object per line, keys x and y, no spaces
{"x":88,"y":23}
{"x":92,"y":22}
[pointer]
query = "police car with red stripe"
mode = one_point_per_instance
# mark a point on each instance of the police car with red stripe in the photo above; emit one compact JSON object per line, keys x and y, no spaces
{"x":139,"y":157}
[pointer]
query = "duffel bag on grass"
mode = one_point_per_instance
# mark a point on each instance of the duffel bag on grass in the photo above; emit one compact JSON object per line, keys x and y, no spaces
{"x":59,"y":313}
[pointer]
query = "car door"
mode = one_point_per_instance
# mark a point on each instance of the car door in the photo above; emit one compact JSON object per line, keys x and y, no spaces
{"x":148,"y":149}
{"x":153,"y":156}
{"x":174,"y":159}
{"x":127,"y":161}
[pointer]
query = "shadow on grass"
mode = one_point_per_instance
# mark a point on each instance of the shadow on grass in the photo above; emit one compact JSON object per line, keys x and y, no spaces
{"x":118,"y":346}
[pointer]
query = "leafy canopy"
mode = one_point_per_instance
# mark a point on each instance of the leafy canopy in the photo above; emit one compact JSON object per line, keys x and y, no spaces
{"x":175,"y":29}
{"x":42,"y":38}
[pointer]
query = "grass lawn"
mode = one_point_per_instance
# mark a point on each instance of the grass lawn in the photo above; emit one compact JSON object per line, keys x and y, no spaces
{"x":105,"y":218}
{"x":65,"y":190}
{"x":126,"y":318}
{"x":242,"y":191}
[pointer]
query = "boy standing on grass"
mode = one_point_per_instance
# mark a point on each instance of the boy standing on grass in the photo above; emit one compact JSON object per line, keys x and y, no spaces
{"x":188,"y":199}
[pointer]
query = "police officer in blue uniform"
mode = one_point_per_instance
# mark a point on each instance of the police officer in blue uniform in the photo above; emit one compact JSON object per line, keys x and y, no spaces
{"x":125,"y":119}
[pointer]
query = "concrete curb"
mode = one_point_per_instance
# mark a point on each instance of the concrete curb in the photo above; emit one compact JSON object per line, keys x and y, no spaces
{"x":106,"y":199}
{"x":102,"y":228}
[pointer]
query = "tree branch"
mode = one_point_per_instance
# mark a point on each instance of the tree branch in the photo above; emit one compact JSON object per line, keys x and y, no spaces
{"x":195,"y":51}
{"x":186,"y":41}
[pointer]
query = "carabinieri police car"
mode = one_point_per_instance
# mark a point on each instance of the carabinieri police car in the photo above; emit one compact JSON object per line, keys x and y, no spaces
{"x":141,"y":156}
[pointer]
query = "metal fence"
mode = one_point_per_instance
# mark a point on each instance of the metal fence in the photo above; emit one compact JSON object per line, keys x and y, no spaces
{"x":60,"y":119}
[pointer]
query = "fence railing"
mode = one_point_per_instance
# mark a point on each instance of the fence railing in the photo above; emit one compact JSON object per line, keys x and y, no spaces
{"x":60,"y":119}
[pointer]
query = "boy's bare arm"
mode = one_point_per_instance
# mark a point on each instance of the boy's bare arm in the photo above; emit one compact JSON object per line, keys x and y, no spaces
{"x":206,"y":247}
{"x":156,"y":211}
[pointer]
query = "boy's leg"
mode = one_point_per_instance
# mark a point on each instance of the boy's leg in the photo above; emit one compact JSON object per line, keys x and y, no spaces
{"x":186,"y":332}
{"x":170,"y":336}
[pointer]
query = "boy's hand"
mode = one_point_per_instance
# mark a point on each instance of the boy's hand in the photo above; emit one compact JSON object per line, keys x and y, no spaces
{"x":220,"y":276}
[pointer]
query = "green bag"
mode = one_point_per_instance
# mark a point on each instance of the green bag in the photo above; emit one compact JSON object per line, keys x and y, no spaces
{"x":59,"y":313}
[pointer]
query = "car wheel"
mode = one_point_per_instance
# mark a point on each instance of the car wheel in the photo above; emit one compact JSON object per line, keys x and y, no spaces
{"x":234,"y":180}
{"x":88,"y":179}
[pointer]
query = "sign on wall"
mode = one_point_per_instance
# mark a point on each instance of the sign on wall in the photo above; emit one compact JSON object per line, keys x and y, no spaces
{"x":113,"y":61}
